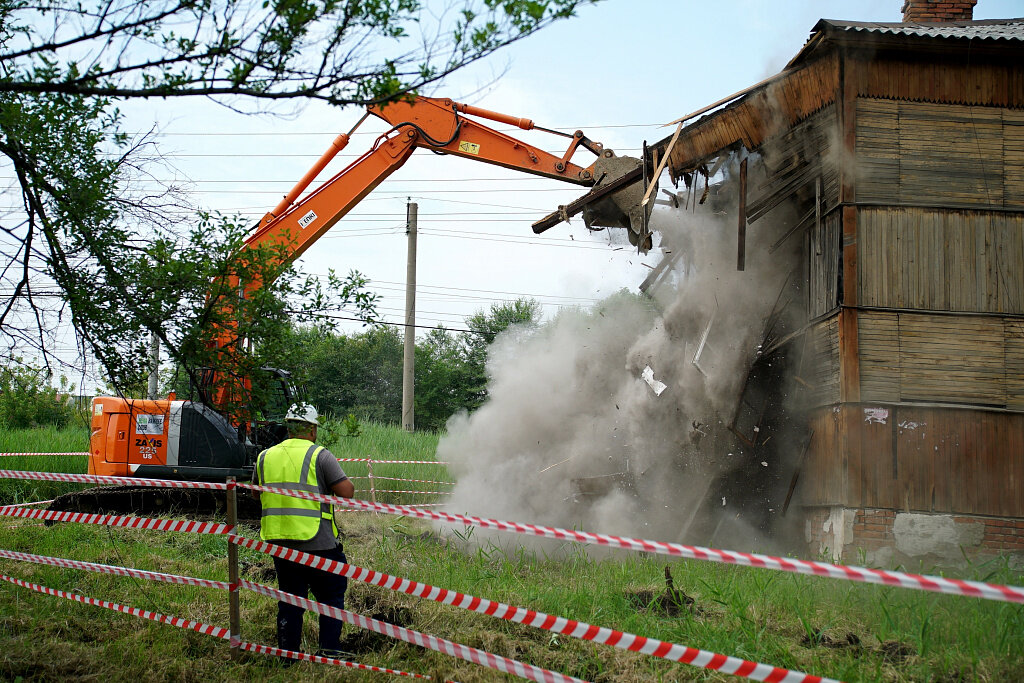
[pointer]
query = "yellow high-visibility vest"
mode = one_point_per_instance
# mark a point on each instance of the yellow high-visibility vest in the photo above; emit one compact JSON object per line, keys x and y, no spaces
{"x":291,"y":465}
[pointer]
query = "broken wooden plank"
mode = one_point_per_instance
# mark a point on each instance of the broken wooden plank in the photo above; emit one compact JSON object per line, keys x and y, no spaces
{"x":661,"y":165}
{"x":796,"y":474}
{"x":741,"y":238}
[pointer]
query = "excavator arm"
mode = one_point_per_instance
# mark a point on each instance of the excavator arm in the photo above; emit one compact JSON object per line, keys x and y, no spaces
{"x":442,"y":126}
{"x":211,"y":438}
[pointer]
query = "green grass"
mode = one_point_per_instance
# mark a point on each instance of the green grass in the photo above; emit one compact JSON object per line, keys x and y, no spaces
{"x":776,"y":618}
{"x":70,"y":439}
{"x":384,"y":442}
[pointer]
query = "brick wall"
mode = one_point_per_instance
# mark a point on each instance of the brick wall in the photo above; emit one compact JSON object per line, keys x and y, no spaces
{"x":871,"y":531}
{"x":816,"y":536}
{"x":1002,"y":534}
{"x":921,"y":11}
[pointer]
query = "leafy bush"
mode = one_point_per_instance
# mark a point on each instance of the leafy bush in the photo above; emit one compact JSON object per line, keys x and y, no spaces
{"x":28,"y":400}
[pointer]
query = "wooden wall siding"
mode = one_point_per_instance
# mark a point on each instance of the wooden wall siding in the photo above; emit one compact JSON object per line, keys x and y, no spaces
{"x":912,"y":357}
{"x":1013,"y":154}
{"x":822,"y":249}
{"x":952,"y":359}
{"x":1014,"y":364}
{"x":764,"y":113}
{"x":878,"y":337}
{"x":821,"y":370}
{"x":795,"y":160}
{"x":918,"y":459}
{"x":977,"y":83}
{"x":941,"y":260}
{"x":821,"y":477}
{"x":942,"y":154}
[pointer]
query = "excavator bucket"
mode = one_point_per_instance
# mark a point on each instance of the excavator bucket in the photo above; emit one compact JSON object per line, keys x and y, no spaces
{"x":621,"y":209}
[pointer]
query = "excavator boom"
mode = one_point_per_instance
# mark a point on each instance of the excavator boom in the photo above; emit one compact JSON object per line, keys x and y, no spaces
{"x":156,"y":437}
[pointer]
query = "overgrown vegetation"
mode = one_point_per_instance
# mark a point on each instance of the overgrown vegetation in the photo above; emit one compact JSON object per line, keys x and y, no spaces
{"x":28,"y":399}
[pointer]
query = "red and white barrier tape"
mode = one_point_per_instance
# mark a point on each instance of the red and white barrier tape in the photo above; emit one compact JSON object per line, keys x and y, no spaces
{"x":119,"y":571}
{"x":115,"y":520}
{"x":292,"y":654}
{"x":207,"y":629}
{"x":499,"y":610}
{"x":426,"y":493}
{"x":199,"y":627}
{"x":100,"y":479}
{"x":418,"y":481}
{"x":35,"y":502}
{"x":937,"y":584}
{"x":470,"y":654}
{"x":15,"y":455}
{"x":394,"y":462}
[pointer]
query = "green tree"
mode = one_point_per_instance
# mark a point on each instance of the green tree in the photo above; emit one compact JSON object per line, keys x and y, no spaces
{"x":485,"y":326}
{"x":93,"y":250}
{"x":359,"y":374}
{"x":339,"y":51}
{"x":27,"y":399}
{"x":443,"y":379}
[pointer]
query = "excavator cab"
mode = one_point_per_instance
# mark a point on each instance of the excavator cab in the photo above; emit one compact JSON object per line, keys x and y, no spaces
{"x":267,"y":427}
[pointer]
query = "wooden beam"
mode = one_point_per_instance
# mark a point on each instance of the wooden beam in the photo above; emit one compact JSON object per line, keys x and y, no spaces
{"x":849,"y":356}
{"x":849,"y":347}
{"x":741,"y":237}
{"x":796,"y":473}
{"x":661,"y":165}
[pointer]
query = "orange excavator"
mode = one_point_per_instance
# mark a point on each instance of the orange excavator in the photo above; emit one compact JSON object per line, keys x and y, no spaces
{"x":180,"y":439}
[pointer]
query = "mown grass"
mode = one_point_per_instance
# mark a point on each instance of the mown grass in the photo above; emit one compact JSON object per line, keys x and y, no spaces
{"x":781,"y":619}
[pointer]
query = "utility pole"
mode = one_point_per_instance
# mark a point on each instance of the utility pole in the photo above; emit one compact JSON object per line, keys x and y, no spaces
{"x":409,"y":361}
{"x":154,"y":365}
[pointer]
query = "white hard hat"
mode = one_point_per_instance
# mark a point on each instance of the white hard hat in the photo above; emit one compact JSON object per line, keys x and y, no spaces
{"x":302,"y":412}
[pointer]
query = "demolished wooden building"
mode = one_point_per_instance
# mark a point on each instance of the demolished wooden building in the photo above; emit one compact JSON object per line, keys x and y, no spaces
{"x":899,"y":147}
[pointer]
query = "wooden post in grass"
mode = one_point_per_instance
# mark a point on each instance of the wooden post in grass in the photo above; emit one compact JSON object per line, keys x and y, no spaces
{"x":234,"y":612}
{"x":369,"y":475}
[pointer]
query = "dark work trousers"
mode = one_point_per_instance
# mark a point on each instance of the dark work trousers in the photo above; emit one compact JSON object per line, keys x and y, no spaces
{"x":298,"y":579}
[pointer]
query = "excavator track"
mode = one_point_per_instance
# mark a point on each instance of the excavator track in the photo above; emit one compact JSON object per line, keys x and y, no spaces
{"x":150,"y":500}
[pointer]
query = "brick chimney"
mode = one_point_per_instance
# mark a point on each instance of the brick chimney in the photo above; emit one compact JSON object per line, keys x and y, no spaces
{"x":924,"y":11}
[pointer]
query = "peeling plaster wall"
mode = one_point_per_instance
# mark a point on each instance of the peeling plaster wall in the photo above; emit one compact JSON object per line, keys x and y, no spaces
{"x":885,"y":538}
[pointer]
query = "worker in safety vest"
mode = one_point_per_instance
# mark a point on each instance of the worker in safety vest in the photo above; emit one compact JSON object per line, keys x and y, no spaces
{"x":306,"y":525}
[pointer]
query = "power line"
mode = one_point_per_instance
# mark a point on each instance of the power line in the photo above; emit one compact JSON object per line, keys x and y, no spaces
{"x":466,"y":289}
{"x":510,"y":129}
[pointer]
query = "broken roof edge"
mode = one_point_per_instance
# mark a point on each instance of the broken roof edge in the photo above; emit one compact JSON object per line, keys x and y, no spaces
{"x":699,"y":140}
{"x":754,"y":115}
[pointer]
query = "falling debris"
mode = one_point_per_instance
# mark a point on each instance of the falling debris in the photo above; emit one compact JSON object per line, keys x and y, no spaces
{"x":648,"y":376}
{"x":612,"y":460}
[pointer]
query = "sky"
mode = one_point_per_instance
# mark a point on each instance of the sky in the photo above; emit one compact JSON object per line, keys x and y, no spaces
{"x":619,"y":71}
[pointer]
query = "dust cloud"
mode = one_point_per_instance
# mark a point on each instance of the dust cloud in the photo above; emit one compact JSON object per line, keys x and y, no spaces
{"x":573,"y":436}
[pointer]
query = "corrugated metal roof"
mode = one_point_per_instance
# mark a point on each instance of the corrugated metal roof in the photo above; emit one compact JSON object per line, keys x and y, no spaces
{"x":992,"y":29}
